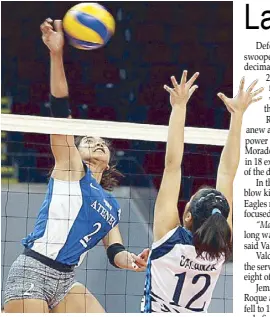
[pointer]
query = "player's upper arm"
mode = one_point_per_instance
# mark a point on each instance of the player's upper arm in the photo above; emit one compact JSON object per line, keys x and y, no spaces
{"x":166,"y":210}
{"x":225,"y":186}
{"x":113,"y":236}
{"x":68,"y":162}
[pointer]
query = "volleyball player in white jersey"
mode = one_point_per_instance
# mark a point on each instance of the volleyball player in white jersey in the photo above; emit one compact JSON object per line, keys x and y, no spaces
{"x":185,"y":261}
{"x":76,"y":214}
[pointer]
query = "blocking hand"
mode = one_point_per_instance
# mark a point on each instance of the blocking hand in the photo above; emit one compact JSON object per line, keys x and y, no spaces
{"x":180,"y":94}
{"x":243,"y":99}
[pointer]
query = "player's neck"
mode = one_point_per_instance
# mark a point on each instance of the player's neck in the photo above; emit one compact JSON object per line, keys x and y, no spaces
{"x":96,"y":169}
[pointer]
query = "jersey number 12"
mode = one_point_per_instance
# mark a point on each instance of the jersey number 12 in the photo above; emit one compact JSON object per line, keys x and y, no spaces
{"x":179,"y":287}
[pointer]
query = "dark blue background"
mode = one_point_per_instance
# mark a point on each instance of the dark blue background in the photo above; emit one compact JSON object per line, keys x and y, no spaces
{"x":123,"y":81}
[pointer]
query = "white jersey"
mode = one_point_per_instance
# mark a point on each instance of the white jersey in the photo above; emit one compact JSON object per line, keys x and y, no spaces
{"x":176,"y":280}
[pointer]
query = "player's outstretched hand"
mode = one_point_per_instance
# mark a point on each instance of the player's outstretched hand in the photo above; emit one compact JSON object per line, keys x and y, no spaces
{"x":52,"y":35}
{"x":140,"y":261}
{"x":131,"y":261}
{"x":243,"y":99}
{"x":180,"y":94}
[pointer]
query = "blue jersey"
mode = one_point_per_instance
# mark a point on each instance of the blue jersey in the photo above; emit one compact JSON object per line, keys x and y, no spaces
{"x":73,"y":218}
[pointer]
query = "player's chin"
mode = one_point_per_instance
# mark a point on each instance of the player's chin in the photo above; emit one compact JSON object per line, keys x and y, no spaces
{"x":101,"y":158}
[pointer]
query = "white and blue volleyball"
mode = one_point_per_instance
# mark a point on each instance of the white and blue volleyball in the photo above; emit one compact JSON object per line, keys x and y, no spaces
{"x":88,"y":26}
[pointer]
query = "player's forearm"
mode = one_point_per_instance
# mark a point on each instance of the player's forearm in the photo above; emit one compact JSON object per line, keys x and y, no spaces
{"x":58,"y":82}
{"x":175,"y":142}
{"x":230,"y":155}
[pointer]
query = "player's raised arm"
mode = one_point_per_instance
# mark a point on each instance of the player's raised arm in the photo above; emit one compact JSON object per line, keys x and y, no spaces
{"x":166,"y":212}
{"x":230,"y":155}
{"x":67,"y":157}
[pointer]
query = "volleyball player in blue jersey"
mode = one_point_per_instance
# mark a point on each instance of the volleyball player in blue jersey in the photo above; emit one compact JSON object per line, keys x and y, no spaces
{"x":76,"y":214}
{"x":185,"y":261}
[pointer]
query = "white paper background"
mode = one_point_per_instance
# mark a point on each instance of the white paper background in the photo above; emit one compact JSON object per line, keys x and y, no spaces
{"x":245,"y":43}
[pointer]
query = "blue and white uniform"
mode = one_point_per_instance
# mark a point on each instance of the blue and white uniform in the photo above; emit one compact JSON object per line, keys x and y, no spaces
{"x":73,"y":218}
{"x":176,"y":280}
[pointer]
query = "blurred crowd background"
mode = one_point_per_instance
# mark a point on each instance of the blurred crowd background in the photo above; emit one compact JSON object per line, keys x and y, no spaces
{"x":122,"y":81}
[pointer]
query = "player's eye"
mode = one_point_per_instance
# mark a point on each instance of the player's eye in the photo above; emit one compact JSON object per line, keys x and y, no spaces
{"x":89,"y":141}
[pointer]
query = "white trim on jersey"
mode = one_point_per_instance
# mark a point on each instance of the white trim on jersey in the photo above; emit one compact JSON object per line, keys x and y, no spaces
{"x":61,"y":216}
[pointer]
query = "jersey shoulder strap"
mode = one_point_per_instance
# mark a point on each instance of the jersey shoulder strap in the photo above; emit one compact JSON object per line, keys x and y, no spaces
{"x":178,"y":235}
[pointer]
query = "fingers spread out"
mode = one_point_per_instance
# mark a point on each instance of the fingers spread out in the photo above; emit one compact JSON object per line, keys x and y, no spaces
{"x":255,"y":99}
{"x":183,"y":82}
{"x":184,"y":77}
{"x":225,"y":100}
{"x":221,"y":96}
{"x":253,"y":84}
{"x":257,"y":92}
{"x":170,"y":90}
{"x":192,"y":79}
{"x":174,"y":82}
{"x":192,"y":89}
{"x":242,"y":84}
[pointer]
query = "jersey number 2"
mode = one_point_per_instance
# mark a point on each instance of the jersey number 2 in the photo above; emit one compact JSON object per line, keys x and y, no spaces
{"x":179,"y":287}
{"x":87,"y":238}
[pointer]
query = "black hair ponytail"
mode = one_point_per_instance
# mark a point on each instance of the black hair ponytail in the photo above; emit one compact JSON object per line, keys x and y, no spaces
{"x":211,"y":231}
{"x":213,"y":237}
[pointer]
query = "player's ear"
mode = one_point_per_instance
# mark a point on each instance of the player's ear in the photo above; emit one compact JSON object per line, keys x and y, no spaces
{"x":107,"y":167}
{"x":188,"y":219}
